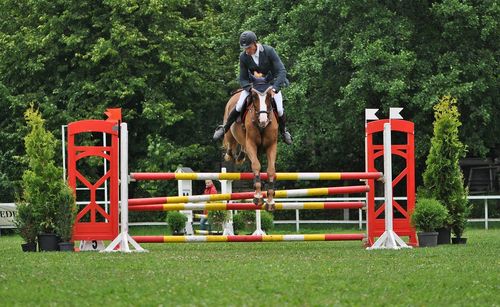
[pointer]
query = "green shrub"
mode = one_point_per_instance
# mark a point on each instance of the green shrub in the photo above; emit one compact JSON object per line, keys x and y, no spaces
{"x":248,"y":217}
{"x":429,"y":215}
{"x":238,"y":223}
{"x":217,"y":217}
{"x":42,"y":182}
{"x":246,"y":220}
{"x":66,"y":213}
{"x":443,"y":179}
{"x":266,"y":220}
{"x":176,"y":221}
{"x":25,"y":222}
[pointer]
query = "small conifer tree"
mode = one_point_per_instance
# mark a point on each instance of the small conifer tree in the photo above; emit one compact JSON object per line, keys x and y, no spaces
{"x":443,"y":178}
{"x":43,"y":186}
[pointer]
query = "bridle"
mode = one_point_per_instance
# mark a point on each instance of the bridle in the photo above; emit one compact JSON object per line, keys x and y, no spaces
{"x":258,"y":109}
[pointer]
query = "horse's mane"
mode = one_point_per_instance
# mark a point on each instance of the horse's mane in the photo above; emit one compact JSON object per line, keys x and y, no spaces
{"x":236,"y":91}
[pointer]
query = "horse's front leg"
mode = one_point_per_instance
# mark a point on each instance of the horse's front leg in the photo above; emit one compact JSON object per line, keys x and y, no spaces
{"x":271,"y":172}
{"x":252,"y":155}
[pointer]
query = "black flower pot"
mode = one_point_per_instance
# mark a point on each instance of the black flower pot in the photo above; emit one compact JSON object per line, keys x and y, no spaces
{"x":427,"y":239}
{"x":66,"y":247}
{"x":458,"y":240}
{"x":29,"y":247}
{"x":48,"y":242}
{"x":444,"y":236}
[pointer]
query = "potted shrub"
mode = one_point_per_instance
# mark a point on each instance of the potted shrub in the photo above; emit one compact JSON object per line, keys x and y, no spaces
{"x":429,"y":214}
{"x":459,"y":224}
{"x":176,"y":222}
{"x":42,"y":181}
{"x":65,"y":218}
{"x":217,"y":218}
{"x":248,"y":217}
{"x":443,"y":178}
{"x":238,"y":223}
{"x":26,"y":226}
{"x":267,"y":221}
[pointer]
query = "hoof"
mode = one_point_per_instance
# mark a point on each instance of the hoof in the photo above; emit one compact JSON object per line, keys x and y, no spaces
{"x":270,"y":207}
{"x":228,"y":158}
{"x":258,"y":201}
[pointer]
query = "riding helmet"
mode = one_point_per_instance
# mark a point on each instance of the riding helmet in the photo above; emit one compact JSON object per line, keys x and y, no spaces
{"x":247,"y":38}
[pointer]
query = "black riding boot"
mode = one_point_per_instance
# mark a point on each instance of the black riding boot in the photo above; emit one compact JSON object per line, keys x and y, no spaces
{"x":287,"y":138}
{"x":222,"y":129}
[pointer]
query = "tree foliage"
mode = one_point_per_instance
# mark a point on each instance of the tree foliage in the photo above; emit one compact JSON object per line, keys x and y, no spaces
{"x":171,"y":64}
{"x":443,"y":179}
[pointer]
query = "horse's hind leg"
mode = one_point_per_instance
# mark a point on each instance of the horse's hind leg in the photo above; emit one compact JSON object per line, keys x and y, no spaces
{"x":240,"y":157}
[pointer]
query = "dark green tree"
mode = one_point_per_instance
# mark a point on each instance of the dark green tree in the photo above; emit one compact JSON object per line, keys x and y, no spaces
{"x":443,"y":179}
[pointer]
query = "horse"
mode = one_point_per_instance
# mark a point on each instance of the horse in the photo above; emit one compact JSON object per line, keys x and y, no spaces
{"x":257,"y":132}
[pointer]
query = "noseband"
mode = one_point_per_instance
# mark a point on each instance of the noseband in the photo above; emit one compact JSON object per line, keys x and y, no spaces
{"x":257,"y":111}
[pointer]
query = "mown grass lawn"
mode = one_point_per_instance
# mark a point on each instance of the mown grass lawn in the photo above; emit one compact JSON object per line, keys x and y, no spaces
{"x":256,"y":274}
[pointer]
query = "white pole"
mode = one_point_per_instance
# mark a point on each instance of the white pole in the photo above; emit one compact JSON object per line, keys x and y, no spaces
{"x":388,"y":177}
{"x":106,"y":203}
{"x":225,"y":186}
{"x":297,"y":220}
{"x":120,"y":243}
{"x":63,"y":139}
{"x":360,"y":212}
{"x":124,"y":177}
{"x":485,"y":213}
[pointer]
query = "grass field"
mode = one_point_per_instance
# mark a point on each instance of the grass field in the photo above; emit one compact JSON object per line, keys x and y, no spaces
{"x":256,"y":274}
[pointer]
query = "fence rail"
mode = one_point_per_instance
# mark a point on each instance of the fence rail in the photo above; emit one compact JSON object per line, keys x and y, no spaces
{"x":486,"y":219}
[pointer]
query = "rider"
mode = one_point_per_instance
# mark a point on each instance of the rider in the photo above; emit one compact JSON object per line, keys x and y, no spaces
{"x":262,"y":59}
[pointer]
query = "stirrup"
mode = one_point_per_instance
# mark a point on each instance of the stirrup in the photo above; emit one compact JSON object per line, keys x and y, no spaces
{"x":219,"y":133}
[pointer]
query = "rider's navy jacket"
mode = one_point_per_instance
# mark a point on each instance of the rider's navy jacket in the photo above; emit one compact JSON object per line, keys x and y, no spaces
{"x":269,"y":61}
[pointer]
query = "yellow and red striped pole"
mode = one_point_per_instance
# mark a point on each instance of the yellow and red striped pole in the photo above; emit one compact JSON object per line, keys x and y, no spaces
{"x":249,"y":238}
{"x":250,"y":206}
{"x":247,"y":195}
{"x":263,"y":176}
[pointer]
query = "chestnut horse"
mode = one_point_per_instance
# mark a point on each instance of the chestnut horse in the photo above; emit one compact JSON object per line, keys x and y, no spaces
{"x":258,"y":133}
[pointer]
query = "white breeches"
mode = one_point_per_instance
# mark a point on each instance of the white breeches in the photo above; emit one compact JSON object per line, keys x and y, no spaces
{"x":278,"y":98}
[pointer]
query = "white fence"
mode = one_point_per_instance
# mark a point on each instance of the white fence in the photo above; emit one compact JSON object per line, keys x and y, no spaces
{"x":362,"y":217}
{"x":8,"y":222}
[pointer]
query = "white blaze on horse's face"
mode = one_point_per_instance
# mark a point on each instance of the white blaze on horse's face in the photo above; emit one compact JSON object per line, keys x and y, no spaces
{"x":263,"y":113}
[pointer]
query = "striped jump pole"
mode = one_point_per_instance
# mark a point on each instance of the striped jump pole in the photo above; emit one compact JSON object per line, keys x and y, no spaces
{"x":249,"y":206}
{"x":248,"y":195}
{"x":249,"y":238}
{"x":263,"y":176}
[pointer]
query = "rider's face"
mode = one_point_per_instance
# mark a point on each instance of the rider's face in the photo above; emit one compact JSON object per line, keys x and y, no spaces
{"x":252,"y":49}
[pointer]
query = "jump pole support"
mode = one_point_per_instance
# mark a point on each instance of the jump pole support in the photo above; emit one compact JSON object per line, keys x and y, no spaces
{"x":226,"y":186}
{"x":120,"y":243}
{"x":389,"y":239}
